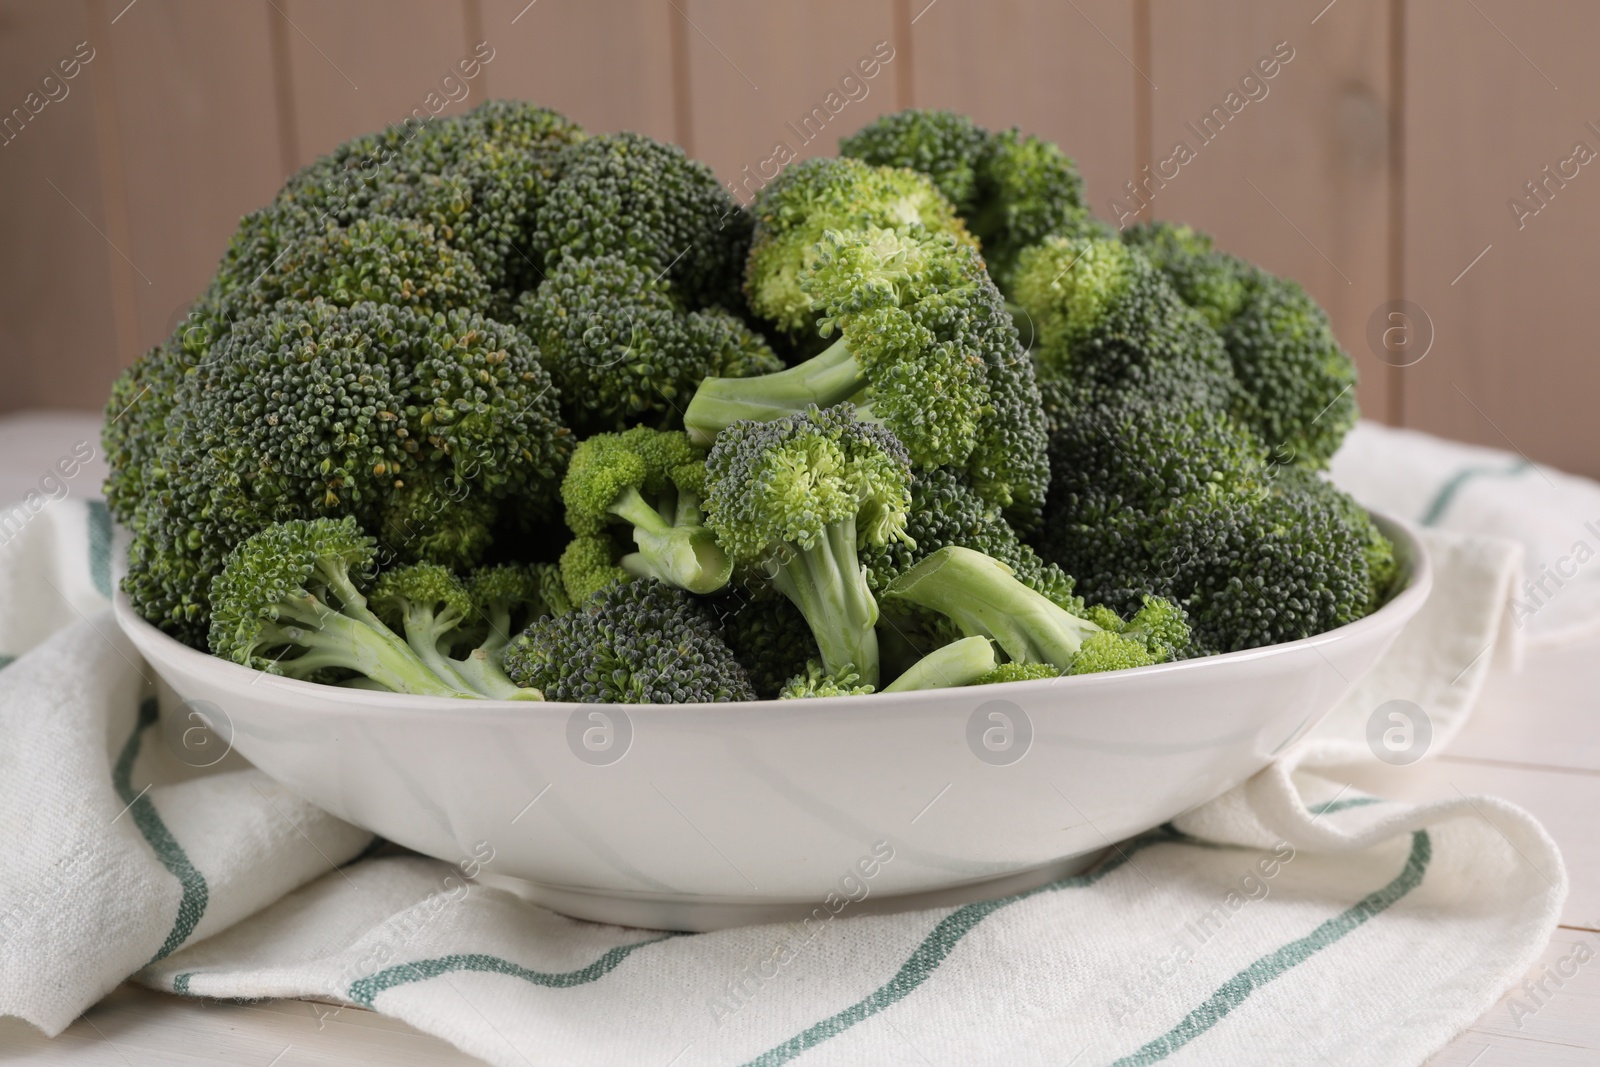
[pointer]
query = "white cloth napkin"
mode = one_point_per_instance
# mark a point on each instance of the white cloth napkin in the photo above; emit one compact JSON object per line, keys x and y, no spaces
{"x":1447,"y":485}
{"x":1217,"y":939}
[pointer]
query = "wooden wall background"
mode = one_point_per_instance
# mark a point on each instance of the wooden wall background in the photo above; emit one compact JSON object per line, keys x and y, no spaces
{"x":1378,"y":167}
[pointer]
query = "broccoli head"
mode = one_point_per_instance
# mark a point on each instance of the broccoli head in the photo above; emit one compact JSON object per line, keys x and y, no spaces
{"x":1019,"y":672}
{"x":635,"y":642}
{"x":815,"y":681}
{"x":815,"y":196}
{"x":798,"y":496}
{"x":648,"y":203}
{"x":768,"y":635}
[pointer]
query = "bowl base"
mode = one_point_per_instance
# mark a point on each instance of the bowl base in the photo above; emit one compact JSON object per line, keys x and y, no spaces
{"x":702,"y":914}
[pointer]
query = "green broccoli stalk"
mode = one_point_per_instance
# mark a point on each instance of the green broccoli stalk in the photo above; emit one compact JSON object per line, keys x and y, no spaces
{"x":507,"y":598}
{"x":796,"y":497}
{"x":610,"y":478}
{"x":959,"y":663}
{"x":287,"y":601}
{"x":437,"y":610}
{"x":982,"y":597}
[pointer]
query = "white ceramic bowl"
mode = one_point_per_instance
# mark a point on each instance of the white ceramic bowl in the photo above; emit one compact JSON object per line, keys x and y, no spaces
{"x":699,"y":816}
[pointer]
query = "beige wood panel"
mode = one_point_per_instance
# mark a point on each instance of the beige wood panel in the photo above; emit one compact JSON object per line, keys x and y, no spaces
{"x":607,"y":73}
{"x":767,"y":80}
{"x":189,"y":77}
{"x":56,"y":306}
{"x":1064,"y":71}
{"x":1297,"y":179}
{"x":1493,"y":97}
{"x":359,"y":65}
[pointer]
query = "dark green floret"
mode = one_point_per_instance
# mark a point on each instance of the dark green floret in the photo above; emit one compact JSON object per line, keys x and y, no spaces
{"x":768,"y":635}
{"x":796,"y":498}
{"x":635,"y":642}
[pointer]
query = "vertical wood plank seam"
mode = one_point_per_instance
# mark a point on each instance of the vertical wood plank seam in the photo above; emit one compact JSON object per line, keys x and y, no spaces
{"x":903,"y":84}
{"x":1395,"y":413}
{"x":113,"y":191}
{"x":1143,"y":100}
{"x":283,"y":90}
{"x":472,"y":30}
{"x":682,"y":97}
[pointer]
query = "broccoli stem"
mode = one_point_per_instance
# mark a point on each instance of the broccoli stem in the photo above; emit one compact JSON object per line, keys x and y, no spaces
{"x":424,"y":630}
{"x":958,"y":663}
{"x":688,"y":557}
{"x":483,"y":673}
{"x":829,"y":585}
{"x":980,"y":595}
{"x":332,"y":639}
{"x":830,"y":377}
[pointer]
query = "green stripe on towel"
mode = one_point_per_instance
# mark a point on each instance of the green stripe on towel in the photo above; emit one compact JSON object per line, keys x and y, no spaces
{"x":100,"y":547}
{"x":932,"y":952}
{"x":1447,"y":491}
{"x":364,"y":990}
{"x":192,"y":905}
{"x":1238,"y":988}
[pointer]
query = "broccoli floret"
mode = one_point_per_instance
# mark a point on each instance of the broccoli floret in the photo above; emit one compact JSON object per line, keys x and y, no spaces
{"x":798,"y":496}
{"x":651,"y":480}
{"x":1019,"y":672}
{"x":420,"y":426}
{"x":947,"y":510}
{"x":814,"y":681}
{"x":288,"y":601}
{"x":1012,"y":189}
{"x":650,"y":204}
{"x":588,"y":565}
{"x":926,"y":349}
{"x":621,"y":349}
{"x":981,"y":596}
{"x":768,"y":635}
{"x":1150,"y":499}
{"x":959,"y":663}
{"x":1297,"y":383}
{"x":1108,"y":321}
{"x":815,"y":196}
{"x":635,"y":642}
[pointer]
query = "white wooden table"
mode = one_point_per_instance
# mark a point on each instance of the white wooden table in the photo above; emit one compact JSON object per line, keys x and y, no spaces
{"x":1534,"y":740}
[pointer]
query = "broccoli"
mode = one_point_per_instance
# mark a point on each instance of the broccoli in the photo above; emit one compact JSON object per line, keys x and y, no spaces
{"x":1297,"y":382}
{"x":814,"y":681}
{"x":798,"y":496}
{"x":1151,"y":499}
{"x":959,"y":663}
{"x":588,"y":564}
{"x":1018,"y":672}
{"x":629,"y":196}
{"x":635,"y":642}
{"x":621,"y":349}
{"x":1109,"y":323}
{"x":982,"y":597}
{"x":1012,"y":189}
{"x":926,"y":349}
{"x":652,"y":480}
{"x":768,"y":636}
{"x":815,"y":196}
{"x":437,"y":611}
{"x":288,"y":601}
{"x":420,"y":426}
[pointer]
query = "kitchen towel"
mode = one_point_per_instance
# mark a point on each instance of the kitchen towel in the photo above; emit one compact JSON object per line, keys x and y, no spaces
{"x":1214,"y":939}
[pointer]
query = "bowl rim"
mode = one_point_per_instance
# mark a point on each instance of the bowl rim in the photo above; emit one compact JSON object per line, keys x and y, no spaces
{"x":377,"y":703}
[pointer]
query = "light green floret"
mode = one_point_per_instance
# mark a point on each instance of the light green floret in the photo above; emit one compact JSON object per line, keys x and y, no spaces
{"x":1019,"y":672}
{"x":795,"y":498}
{"x":588,"y":565}
{"x":653,"y":481}
{"x":818,"y":195}
{"x":982,"y":598}
{"x":817,"y":682}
